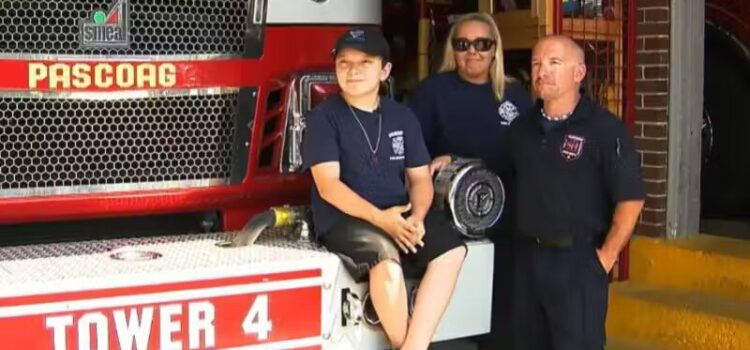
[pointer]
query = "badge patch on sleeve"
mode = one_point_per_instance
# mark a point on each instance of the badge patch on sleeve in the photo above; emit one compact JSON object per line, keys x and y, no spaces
{"x":572,"y":147}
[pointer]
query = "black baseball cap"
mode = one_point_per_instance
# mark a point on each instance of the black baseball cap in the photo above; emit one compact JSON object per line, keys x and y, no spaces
{"x":367,"y":40}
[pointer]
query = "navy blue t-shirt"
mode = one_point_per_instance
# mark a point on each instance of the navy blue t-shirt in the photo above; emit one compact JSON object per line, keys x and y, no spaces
{"x":466,"y":119}
{"x":571,"y":175}
{"x":333,"y":134}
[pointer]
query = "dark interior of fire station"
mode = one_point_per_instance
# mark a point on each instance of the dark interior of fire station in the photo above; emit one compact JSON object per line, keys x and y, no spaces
{"x":725,"y":171}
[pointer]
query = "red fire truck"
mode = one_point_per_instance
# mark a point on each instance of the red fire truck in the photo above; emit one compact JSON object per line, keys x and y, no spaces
{"x":117,"y":109}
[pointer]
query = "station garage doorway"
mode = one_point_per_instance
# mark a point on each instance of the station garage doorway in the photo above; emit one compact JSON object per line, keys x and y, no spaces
{"x":725,"y":168}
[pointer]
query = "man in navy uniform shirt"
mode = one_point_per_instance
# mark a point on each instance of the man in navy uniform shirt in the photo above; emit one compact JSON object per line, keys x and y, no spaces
{"x":362,"y":149}
{"x":579,"y":194}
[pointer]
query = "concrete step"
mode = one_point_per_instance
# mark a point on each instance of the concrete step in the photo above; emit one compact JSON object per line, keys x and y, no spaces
{"x":678,"y":319}
{"x":706,"y":264}
{"x":617,"y":343}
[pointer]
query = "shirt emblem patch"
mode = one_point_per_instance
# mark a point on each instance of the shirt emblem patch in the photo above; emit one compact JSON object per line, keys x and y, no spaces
{"x":508,"y":112}
{"x":572,"y":147}
{"x":356,"y":34}
{"x":397,"y":144}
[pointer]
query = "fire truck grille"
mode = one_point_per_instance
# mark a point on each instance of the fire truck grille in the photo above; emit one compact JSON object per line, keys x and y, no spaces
{"x":156,"y":27}
{"x":55,"y":146}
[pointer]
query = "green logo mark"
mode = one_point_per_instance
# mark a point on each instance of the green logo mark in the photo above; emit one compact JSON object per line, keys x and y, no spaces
{"x":99,"y":17}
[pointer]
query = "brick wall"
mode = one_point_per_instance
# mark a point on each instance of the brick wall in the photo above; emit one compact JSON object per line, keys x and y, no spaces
{"x":651,"y":114}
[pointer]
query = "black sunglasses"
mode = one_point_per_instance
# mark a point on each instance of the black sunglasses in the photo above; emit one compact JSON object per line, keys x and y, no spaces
{"x":480,"y":44}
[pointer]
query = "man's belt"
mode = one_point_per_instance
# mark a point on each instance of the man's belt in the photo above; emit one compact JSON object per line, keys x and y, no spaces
{"x":561,"y":241}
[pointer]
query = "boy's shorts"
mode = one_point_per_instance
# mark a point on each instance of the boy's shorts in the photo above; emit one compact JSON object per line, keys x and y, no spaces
{"x":362,"y":245}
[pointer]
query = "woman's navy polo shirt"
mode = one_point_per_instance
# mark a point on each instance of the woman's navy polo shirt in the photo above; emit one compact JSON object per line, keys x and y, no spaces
{"x":333,"y":134}
{"x":465,"y":119}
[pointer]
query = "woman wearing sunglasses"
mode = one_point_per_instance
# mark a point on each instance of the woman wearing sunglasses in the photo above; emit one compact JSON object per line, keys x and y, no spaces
{"x":465,"y":110}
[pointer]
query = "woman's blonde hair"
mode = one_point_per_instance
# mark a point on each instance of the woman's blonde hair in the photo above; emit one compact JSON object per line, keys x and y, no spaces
{"x":497,"y":69}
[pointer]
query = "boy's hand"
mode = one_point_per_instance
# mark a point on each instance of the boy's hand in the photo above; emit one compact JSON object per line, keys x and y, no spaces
{"x":392,"y":222}
{"x":418,"y":230}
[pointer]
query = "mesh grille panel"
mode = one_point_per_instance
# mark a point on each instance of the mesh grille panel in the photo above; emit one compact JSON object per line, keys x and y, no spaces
{"x":157,"y":27}
{"x":47,"y":143}
{"x":269,"y":238}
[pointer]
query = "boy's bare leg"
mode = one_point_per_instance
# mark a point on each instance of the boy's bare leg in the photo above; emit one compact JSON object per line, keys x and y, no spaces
{"x":433,"y":296}
{"x":388,"y":293}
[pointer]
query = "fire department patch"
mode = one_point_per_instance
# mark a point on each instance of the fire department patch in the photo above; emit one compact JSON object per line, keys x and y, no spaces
{"x":572,"y":147}
{"x":508,"y":112}
{"x":397,"y":143}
